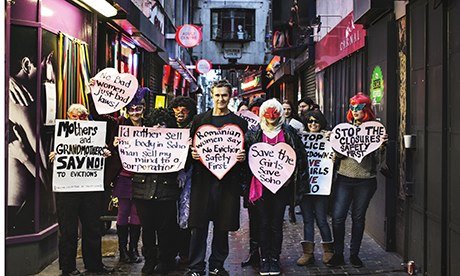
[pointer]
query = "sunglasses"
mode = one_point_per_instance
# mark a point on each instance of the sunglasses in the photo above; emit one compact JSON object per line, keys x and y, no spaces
{"x":313,"y":121}
{"x":135,"y":108}
{"x":357,"y":107}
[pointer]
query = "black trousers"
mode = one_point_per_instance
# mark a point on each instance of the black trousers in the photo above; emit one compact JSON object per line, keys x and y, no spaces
{"x":159,"y":216}
{"x":198,"y":245}
{"x":254,"y":230}
{"x":270,"y":211}
{"x":86,"y":207}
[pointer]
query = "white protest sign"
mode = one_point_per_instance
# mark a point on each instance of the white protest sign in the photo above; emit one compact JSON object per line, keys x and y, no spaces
{"x":112,"y":91}
{"x":218,"y":147}
{"x":153,"y":150}
{"x":79,"y":161}
{"x":357,"y":141}
{"x":320,"y":165}
{"x":272,"y":165}
{"x":252,"y":119}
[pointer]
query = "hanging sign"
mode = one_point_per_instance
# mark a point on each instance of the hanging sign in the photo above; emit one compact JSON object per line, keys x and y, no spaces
{"x":153,"y":150}
{"x":112,"y":91}
{"x":357,"y":141}
{"x":79,"y":161}
{"x":203,"y":66}
{"x":320,"y":165}
{"x":188,"y":35}
{"x":377,"y":85}
{"x":272,"y":165}
{"x":218,"y":147}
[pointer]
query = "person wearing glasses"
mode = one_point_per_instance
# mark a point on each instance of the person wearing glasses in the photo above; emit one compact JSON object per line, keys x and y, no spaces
{"x":84,"y":207}
{"x":315,"y":207}
{"x":355,"y":186}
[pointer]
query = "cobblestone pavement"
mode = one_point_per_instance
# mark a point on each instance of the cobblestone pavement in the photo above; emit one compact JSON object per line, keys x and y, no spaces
{"x":376,"y":260}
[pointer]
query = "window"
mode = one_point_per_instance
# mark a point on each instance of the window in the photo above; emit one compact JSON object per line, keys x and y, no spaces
{"x":232,"y":25}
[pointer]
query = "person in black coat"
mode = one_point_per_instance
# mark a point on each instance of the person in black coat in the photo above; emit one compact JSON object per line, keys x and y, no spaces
{"x":213,"y":199}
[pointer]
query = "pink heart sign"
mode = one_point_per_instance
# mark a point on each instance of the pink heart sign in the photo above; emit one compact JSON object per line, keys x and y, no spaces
{"x":112,"y":91}
{"x":218,"y":147}
{"x":357,"y":141}
{"x":272,"y":165}
{"x":252,"y":119}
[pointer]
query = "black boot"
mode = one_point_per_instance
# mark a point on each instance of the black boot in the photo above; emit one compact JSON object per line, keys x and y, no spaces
{"x":122,"y":232}
{"x":151,"y":260}
{"x":134,"y":234}
{"x":254,"y":256}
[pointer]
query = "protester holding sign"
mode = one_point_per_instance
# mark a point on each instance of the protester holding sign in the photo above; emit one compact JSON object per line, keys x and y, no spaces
{"x":212,"y":198}
{"x":79,"y":206}
{"x":316,"y":206}
{"x":184,"y":109}
{"x":155,"y":196}
{"x":355,"y":185}
{"x":270,"y":206}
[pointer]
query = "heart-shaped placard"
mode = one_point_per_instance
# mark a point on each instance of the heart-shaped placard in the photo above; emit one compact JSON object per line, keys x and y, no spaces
{"x":357,"y":141}
{"x":218,"y":147}
{"x":112,"y":91}
{"x":252,"y":119}
{"x":272,"y":165}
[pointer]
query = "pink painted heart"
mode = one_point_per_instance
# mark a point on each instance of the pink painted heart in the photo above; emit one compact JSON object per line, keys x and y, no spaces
{"x":218,"y":147}
{"x":112,"y":91}
{"x":252,"y":119}
{"x":357,"y":141}
{"x":272,"y":165}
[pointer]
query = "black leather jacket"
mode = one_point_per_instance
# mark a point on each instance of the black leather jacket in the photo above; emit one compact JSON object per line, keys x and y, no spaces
{"x":156,"y":186}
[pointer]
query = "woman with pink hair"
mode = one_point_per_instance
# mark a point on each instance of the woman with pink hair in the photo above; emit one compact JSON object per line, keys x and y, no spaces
{"x":355,"y":186}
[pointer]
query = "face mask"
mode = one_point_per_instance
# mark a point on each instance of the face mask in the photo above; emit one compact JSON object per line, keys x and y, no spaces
{"x":271,"y":113}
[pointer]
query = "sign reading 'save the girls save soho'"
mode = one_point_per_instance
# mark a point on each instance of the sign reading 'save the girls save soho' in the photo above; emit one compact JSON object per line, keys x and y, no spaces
{"x":79,"y":161}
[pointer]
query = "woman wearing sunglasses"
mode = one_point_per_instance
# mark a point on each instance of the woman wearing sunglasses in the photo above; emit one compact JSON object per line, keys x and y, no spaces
{"x":355,"y":185}
{"x":315,"y":207}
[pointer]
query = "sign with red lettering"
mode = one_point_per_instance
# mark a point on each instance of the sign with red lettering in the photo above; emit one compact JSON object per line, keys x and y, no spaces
{"x":111,"y":91}
{"x":343,"y":40}
{"x":357,"y":141}
{"x":272,"y":165}
{"x":203,"y":66}
{"x":218,"y":147}
{"x":188,"y":35}
{"x":320,"y":165}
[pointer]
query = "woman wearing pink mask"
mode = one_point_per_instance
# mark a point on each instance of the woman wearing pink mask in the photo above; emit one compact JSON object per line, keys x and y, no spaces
{"x":270,"y":207}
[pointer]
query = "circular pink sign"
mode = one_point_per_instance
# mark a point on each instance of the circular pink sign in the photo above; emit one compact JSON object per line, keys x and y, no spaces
{"x":189,"y":36}
{"x":203,"y":66}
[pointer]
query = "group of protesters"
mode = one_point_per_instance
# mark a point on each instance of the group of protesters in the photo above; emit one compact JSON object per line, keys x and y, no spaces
{"x":172,"y":211}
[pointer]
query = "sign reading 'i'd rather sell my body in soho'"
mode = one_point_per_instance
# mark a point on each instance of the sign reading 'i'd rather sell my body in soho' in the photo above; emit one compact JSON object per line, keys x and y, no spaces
{"x":153,"y":150}
{"x":218,"y":147}
{"x":320,"y":165}
{"x":79,"y":161}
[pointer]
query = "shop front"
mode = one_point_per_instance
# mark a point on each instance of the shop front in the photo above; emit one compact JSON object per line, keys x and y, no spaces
{"x":252,"y":86}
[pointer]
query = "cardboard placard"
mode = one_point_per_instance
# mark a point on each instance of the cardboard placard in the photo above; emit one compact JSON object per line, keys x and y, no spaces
{"x":252,"y":119}
{"x":357,"y":141}
{"x":153,"y":150}
{"x":112,"y":91}
{"x":218,"y":147}
{"x":79,"y":162}
{"x":272,"y":165}
{"x":320,"y":165}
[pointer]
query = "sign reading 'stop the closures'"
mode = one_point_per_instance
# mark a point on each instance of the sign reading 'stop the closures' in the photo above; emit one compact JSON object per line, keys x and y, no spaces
{"x":320,"y":165}
{"x":188,"y":35}
{"x":251,"y":118}
{"x":218,"y":147}
{"x":112,"y":91}
{"x":272,"y":165}
{"x":153,"y":150}
{"x":79,"y":161}
{"x":357,"y":141}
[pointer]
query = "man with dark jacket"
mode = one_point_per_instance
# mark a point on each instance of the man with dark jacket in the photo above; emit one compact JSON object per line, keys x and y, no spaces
{"x":213,"y":199}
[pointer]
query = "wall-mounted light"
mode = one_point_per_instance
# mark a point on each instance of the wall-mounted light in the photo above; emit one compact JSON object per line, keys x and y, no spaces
{"x":101,"y":6}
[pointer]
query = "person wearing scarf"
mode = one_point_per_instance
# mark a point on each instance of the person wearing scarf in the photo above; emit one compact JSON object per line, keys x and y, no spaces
{"x":270,"y":207}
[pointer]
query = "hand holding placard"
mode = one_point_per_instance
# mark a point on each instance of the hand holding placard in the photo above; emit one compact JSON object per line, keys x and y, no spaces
{"x":357,"y":141}
{"x":218,"y":148}
{"x":111,"y":91}
{"x":272,"y":165}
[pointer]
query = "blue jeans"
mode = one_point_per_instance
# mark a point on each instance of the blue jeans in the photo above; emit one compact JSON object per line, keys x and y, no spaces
{"x":358,"y":194}
{"x":315,"y":207}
